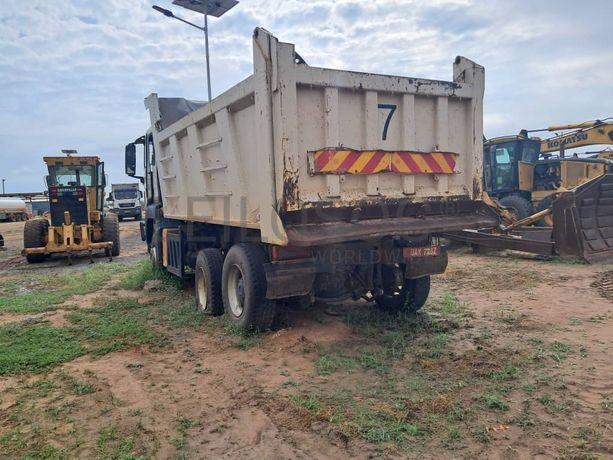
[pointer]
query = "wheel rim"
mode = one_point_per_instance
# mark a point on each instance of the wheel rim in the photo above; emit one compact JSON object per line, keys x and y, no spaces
{"x":201,"y":289}
{"x":396,"y":285}
{"x":236,"y":290}
{"x":154,"y":258}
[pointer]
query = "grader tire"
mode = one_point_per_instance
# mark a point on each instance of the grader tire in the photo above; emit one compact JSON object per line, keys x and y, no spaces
{"x":110,"y":232}
{"x":35,"y":236}
{"x":519,"y":207}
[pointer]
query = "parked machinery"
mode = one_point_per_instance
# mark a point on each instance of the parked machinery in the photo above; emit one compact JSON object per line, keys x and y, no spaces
{"x":76,"y":196}
{"x":524,"y":175}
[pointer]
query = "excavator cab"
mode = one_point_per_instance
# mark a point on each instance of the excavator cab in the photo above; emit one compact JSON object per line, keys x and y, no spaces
{"x":78,"y":223}
{"x":508,"y":164}
{"x":508,"y":171}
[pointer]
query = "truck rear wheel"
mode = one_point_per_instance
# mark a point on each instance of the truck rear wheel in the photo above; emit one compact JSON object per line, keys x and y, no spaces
{"x":400,"y":294}
{"x":209,"y":266}
{"x":244,"y":288}
{"x":110,"y":232}
{"x":35,"y":233}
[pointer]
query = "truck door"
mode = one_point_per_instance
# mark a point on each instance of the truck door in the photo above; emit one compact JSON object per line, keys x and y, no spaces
{"x":152,"y":187}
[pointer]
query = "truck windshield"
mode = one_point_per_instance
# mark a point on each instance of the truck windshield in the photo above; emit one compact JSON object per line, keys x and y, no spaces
{"x":71,"y":175}
{"x":125,"y":194}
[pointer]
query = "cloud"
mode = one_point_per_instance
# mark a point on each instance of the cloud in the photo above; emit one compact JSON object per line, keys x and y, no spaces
{"x":73,"y":74}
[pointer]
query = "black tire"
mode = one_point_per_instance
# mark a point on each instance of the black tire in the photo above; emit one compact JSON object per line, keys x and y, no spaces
{"x":120,"y":219}
{"x":244,"y":288}
{"x":155,"y":252}
{"x":545,"y":203}
{"x":409,"y":298}
{"x":35,"y":233}
{"x":209,"y":267}
{"x":138,"y":216}
{"x":110,"y":232}
{"x":519,"y":206}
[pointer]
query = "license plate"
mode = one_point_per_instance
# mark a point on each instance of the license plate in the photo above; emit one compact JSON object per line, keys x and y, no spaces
{"x":421,"y":251}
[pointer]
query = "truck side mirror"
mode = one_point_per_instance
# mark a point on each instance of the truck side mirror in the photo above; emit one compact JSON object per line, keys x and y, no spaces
{"x":131,"y":160}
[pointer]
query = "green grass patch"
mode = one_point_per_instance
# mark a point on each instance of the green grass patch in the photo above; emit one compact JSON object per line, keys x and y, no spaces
{"x":375,"y":423}
{"x":46,"y":293}
{"x":35,"y":345}
{"x":144,"y":271}
{"x":492,"y":401}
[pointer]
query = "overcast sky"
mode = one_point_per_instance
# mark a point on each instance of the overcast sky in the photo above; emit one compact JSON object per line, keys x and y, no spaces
{"x":73,"y":74}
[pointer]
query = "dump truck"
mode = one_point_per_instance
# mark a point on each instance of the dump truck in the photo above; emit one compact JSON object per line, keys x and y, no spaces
{"x":125,"y":201}
{"x":78,"y":223}
{"x":311,"y":183}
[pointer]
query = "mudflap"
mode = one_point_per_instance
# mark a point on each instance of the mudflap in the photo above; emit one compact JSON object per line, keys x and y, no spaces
{"x":583,"y":221}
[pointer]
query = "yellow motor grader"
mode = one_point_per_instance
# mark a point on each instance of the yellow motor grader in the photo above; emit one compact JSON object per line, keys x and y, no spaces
{"x":76,"y":196}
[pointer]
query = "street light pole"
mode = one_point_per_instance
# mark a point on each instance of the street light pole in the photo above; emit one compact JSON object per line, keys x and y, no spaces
{"x":206,"y":7}
{"x":206,"y":46}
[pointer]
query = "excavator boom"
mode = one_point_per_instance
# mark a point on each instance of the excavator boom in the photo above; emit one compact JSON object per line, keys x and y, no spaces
{"x":588,"y":133}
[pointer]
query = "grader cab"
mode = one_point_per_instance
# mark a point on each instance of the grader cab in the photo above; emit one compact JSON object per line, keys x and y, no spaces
{"x":76,"y":197}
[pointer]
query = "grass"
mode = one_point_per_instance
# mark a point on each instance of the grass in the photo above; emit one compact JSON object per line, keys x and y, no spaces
{"x":180,"y":441}
{"x":47,"y":293}
{"x":144,"y":271}
{"x":373,"y":423}
{"x":33,"y":346}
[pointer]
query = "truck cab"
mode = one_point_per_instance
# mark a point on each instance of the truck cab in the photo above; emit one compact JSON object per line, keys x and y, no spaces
{"x":125,"y":200}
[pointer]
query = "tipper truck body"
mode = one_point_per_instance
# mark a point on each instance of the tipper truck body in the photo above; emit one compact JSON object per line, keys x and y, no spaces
{"x":313,"y":183}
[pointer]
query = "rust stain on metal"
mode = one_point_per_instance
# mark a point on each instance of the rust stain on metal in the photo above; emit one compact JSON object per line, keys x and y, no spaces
{"x":476,"y":188}
{"x":291,"y":192}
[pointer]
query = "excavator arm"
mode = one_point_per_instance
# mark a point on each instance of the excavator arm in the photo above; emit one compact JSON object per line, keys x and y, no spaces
{"x":588,"y":133}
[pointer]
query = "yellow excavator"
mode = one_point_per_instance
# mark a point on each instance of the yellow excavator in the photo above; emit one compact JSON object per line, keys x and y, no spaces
{"x":78,"y":223}
{"x":524,"y":175}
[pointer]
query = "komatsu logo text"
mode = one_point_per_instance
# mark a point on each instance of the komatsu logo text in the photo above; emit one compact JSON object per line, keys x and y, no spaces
{"x":557,"y":143}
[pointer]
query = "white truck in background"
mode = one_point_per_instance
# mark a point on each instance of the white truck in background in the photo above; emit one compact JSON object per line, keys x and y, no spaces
{"x":125,"y":200}
{"x":13,"y":209}
{"x":310,"y":182}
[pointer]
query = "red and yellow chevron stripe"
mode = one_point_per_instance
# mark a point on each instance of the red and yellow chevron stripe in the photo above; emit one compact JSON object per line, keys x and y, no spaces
{"x":348,"y":161}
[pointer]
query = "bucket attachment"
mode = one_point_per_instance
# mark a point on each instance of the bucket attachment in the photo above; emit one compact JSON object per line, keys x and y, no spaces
{"x":583,"y":221}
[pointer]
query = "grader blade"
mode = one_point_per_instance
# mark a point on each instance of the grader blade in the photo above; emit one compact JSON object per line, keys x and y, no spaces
{"x":582,"y":227}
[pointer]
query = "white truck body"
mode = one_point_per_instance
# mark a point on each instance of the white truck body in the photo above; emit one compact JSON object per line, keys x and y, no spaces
{"x":125,"y":200}
{"x":292,"y":138}
{"x":13,"y":209}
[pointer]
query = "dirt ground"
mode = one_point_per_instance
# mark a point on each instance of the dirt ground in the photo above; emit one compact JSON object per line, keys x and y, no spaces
{"x":511,"y":358}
